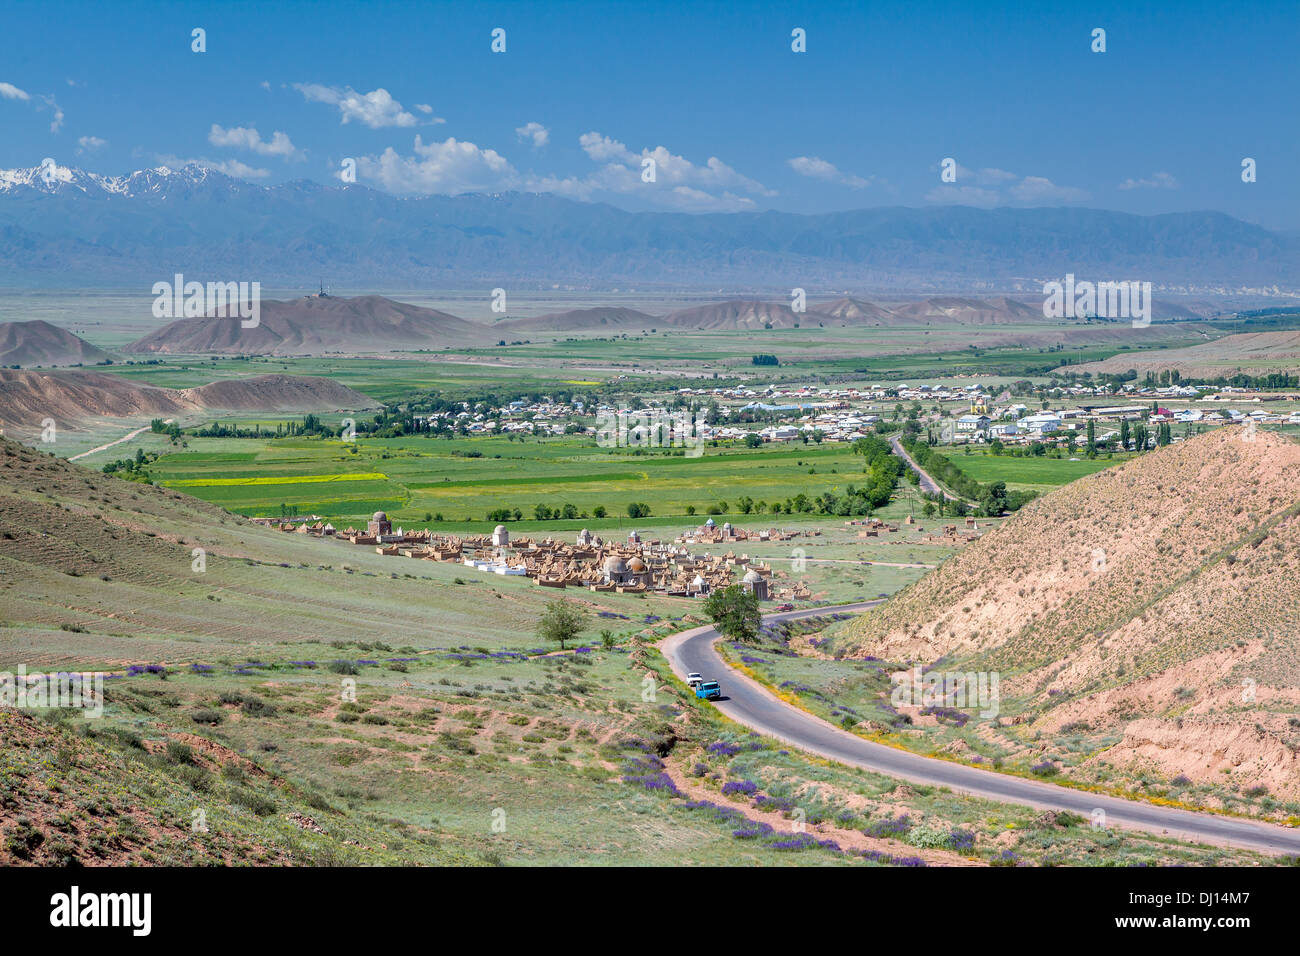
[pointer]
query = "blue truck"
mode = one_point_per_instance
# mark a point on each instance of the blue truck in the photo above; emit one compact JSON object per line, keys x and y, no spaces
{"x":708,"y":690}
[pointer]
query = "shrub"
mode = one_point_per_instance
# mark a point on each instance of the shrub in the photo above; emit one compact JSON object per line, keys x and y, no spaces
{"x":256,"y":707}
{"x":24,"y":839}
{"x":196,"y":778}
{"x":178,"y":752}
{"x":928,"y":838}
{"x":258,"y":803}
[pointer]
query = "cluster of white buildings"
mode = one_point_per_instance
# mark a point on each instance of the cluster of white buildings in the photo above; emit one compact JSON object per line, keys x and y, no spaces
{"x":1012,"y":424}
{"x":805,"y":412}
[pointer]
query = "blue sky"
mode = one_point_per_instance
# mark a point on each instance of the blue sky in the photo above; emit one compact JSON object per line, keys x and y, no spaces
{"x":735,"y":119}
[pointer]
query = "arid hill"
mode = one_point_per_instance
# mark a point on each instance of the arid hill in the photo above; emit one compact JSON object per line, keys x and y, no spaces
{"x":40,"y":343}
{"x":315,"y":326}
{"x":279,"y":393}
{"x":964,"y":311}
{"x":1140,"y":604}
{"x":582,"y":320}
{"x":1254,"y":353}
{"x":858,"y":312}
{"x":740,"y":314}
{"x":70,"y":396}
{"x":28,"y":396}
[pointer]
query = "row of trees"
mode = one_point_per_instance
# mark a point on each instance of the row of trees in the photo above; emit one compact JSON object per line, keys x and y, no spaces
{"x":991,"y":500}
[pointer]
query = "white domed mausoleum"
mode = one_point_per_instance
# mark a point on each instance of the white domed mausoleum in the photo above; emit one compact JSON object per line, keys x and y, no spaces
{"x":755,"y":582}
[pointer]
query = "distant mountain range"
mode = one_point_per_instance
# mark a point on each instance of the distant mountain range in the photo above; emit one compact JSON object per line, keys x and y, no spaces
{"x":83,"y":229}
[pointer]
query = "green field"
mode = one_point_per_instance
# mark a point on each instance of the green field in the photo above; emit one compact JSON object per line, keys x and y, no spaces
{"x":465,"y":478}
{"x":1026,"y":474}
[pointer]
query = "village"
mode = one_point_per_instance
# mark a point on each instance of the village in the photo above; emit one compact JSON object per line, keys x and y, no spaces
{"x":963,"y":412}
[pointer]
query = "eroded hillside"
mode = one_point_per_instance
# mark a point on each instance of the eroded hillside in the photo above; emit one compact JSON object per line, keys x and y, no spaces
{"x":1157,"y":602}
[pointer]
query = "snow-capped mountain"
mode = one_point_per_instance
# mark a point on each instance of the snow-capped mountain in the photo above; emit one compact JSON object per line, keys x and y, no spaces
{"x":61,"y":225}
{"x":158,"y":181}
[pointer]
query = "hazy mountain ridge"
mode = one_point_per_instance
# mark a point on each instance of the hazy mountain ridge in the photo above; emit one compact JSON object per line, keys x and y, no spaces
{"x":149,"y":224}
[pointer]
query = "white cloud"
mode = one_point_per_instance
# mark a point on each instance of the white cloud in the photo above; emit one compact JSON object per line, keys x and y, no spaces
{"x":688,"y":199}
{"x":990,"y":176}
{"x":1033,"y":189}
{"x":622,"y":172}
{"x":990,"y":187}
{"x":10,"y":92}
{"x":247,"y":137}
{"x":816,"y":168}
{"x":91,"y":143}
{"x":376,"y":109}
{"x":602,"y":148}
{"x":449,"y":167}
{"x":424,"y":108}
{"x":1157,"y":181}
{"x":454,"y":166}
{"x":265,"y":84}
{"x":231,"y":167}
{"x":538,"y":133}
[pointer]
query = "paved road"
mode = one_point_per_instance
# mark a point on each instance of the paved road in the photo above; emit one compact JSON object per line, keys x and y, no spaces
{"x":754,"y":706}
{"x":928,"y":484}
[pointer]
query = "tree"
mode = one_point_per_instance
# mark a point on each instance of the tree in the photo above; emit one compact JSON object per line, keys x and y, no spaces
{"x":994,"y":501}
{"x":734,"y":612}
{"x":561,"y":621}
{"x":754,"y":440}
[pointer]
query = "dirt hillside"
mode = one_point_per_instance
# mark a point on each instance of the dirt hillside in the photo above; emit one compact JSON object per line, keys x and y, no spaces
{"x":1158,"y":600}
{"x":40,"y":343}
{"x":315,"y":326}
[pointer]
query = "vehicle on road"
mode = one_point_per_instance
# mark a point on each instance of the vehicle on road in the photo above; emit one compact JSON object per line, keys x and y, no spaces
{"x":709,"y":690}
{"x":785,"y":607}
{"x":694,"y":680}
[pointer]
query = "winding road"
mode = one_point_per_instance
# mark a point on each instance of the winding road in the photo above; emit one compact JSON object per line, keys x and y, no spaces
{"x":928,"y":484}
{"x":749,"y":703}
